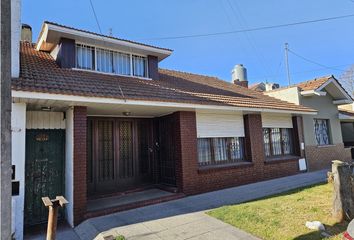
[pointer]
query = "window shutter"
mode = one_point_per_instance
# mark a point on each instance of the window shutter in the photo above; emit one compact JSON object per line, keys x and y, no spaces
{"x":211,"y":125}
{"x":276,"y":121}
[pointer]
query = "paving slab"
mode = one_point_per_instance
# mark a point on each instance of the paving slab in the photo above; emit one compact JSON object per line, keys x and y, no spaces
{"x":115,"y":201}
{"x":185,"y":218}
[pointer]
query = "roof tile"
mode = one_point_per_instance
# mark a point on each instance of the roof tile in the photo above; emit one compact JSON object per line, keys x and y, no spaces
{"x":40,"y":73}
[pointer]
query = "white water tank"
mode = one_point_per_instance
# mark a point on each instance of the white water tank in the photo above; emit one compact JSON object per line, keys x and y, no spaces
{"x":239,"y":73}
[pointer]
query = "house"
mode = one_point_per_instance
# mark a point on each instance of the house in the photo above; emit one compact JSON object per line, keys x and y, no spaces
{"x":322,"y":132}
{"x":346,"y":117}
{"x":261,"y":87}
{"x":94,"y":116}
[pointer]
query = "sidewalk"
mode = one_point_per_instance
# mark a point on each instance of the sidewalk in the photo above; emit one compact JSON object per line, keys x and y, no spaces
{"x":185,"y":218}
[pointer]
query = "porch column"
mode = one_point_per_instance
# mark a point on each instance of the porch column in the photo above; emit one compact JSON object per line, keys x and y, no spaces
{"x":254,"y":143}
{"x":186,"y":151}
{"x":79,"y":166}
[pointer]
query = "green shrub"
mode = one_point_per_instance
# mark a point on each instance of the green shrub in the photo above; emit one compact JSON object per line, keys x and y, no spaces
{"x":120,"y":237}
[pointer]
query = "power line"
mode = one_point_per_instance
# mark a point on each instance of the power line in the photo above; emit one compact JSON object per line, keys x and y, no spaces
{"x":249,"y":29}
{"x":96,"y":18}
{"x":313,"y":62}
{"x":300,"y":72}
{"x":99,"y":28}
{"x":243,"y":23}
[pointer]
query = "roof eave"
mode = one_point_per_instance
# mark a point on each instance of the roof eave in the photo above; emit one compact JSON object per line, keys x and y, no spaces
{"x":85,"y":99}
{"x":46,"y":44}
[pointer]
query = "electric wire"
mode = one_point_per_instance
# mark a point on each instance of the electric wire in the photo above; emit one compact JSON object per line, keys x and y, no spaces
{"x":99,"y":28}
{"x":314,"y":62}
{"x":249,"y":29}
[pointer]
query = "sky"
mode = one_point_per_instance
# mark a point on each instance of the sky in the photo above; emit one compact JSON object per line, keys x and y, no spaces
{"x":330,"y":44}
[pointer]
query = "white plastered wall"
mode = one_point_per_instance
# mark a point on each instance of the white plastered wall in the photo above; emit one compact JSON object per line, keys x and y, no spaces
{"x":69,"y":171}
{"x":18,"y":127}
{"x":291,"y":94}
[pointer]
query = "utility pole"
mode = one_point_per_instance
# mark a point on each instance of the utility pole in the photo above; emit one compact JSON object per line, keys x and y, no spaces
{"x":287,"y":62}
{"x":5,"y":119}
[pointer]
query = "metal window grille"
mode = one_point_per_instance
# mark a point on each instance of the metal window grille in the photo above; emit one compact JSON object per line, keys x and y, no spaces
{"x":322,"y":131}
{"x":110,"y":61}
{"x":217,"y":151}
{"x":85,"y":57}
{"x":278,"y":141}
{"x":121,"y":63}
{"x":139,"y":66}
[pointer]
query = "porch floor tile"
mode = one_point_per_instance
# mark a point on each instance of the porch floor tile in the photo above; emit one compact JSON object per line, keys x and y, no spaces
{"x":116,"y":201}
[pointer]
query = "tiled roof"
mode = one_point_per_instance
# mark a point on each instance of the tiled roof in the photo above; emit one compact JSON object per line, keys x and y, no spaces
{"x":313,"y":84}
{"x":106,"y":36}
{"x":40,"y":73}
{"x":255,"y":86}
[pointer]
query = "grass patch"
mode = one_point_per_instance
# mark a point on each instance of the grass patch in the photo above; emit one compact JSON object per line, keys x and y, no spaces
{"x":283,"y":216}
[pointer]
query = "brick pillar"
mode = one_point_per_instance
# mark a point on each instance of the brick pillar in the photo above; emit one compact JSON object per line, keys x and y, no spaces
{"x":79,"y":140}
{"x":298,"y":137}
{"x":186,"y":150}
{"x":254,"y":142}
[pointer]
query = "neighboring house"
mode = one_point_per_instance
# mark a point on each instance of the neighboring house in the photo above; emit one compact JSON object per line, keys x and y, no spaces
{"x":261,"y":87}
{"x":94,"y":116}
{"x":322,"y":132}
{"x":346,"y":117}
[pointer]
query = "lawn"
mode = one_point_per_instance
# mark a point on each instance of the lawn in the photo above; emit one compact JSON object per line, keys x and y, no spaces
{"x":283,"y":216}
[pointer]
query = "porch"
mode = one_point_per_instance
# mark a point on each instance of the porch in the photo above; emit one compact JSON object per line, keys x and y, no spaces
{"x":106,"y":157}
{"x":114,"y":153}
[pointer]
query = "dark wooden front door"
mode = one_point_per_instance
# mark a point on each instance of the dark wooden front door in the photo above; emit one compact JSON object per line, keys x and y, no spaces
{"x":119,"y":154}
{"x":44,"y":171}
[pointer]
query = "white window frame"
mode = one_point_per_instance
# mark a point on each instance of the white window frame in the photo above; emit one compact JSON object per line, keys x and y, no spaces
{"x":113,"y":50}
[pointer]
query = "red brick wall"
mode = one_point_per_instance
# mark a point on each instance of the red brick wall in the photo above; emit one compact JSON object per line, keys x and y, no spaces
{"x":80,"y":121}
{"x":192,"y":179}
{"x":321,"y":157}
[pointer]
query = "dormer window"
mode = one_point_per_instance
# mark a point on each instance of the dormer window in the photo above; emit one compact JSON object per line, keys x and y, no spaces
{"x":139,"y":66}
{"x":85,"y":57}
{"x":108,"y":61}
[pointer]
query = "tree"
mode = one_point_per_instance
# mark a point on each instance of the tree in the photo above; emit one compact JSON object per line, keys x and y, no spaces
{"x":347,"y":80}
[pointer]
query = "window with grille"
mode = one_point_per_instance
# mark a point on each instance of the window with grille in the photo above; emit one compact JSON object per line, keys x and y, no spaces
{"x":85,"y":57}
{"x":278,"y":141}
{"x":104,"y":60}
{"x":108,"y":61}
{"x":139,"y":66}
{"x":322,"y":131}
{"x":216,"y":151}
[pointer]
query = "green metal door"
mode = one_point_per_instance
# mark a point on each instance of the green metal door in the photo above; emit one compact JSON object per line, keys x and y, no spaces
{"x":45,"y":155}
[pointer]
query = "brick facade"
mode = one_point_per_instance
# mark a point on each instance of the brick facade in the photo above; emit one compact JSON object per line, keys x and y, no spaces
{"x":321,"y":157}
{"x":192,"y":179}
{"x":80,"y":162}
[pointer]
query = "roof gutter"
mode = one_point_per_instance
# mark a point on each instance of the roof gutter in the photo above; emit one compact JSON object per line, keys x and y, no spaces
{"x":82,"y":100}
